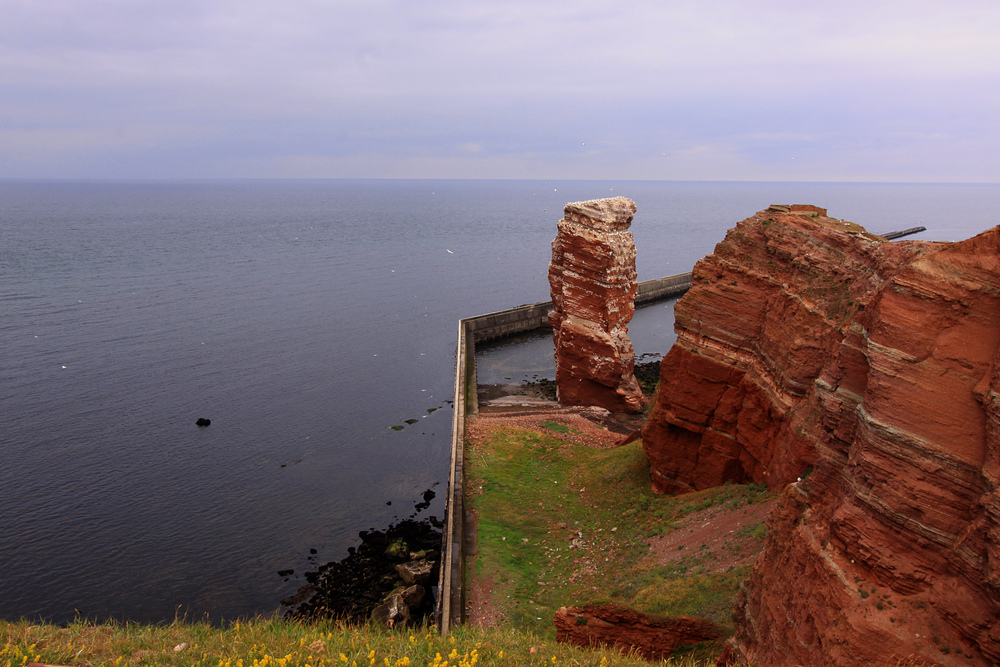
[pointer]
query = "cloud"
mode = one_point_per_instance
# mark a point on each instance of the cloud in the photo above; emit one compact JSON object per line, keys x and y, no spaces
{"x":336,"y":83}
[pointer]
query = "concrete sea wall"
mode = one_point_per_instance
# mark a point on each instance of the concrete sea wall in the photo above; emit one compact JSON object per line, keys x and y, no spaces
{"x":472,"y":330}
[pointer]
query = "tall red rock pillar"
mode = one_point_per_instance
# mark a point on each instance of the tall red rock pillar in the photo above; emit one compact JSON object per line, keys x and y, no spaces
{"x":593,"y":282}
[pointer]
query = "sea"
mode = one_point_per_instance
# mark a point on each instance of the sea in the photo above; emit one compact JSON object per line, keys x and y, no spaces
{"x":308,"y":320}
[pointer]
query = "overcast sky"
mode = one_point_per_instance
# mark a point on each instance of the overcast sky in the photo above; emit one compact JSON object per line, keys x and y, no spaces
{"x":854,"y":90}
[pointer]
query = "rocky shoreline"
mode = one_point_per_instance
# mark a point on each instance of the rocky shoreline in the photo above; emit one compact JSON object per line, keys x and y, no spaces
{"x":647,"y":373}
{"x":391,"y":577}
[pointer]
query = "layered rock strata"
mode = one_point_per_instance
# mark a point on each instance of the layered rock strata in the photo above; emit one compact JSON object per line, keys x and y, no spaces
{"x":763,"y":316}
{"x":808,"y":347}
{"x":891,"y":548}
{"x":593,"y":283}
{"x":612,"y":625}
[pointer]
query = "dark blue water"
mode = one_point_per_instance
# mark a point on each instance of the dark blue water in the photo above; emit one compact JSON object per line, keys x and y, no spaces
{"x":304,"y":318}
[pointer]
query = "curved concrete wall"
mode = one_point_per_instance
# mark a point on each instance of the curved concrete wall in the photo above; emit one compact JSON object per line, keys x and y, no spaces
{"x":472,"y":330}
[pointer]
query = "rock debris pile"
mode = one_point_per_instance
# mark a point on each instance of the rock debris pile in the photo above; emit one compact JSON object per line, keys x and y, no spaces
{"x":388,"y":578}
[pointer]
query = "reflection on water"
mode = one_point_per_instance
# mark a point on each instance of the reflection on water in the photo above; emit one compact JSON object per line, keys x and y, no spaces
{"x":514,"y":359}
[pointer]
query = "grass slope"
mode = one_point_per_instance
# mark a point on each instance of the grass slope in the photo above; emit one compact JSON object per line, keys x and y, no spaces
{"x":563,"y":524}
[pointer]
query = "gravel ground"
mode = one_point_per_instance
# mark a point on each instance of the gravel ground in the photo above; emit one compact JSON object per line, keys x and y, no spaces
{"x":715,"y":538}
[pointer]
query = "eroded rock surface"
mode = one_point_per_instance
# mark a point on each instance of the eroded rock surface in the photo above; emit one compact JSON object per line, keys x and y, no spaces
{"x":807,"y":342}
{"x":898,"y":529}
{"x":763,"y":316}
{"x":653,"y":637}
{"x":593,"y":284}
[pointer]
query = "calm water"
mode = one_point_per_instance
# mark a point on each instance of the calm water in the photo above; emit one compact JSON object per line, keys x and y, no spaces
{"x":304,"y":318}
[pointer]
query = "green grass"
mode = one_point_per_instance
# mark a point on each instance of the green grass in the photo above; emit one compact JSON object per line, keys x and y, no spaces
{"x":537,"y":493}
{"x":708,"y":596}
{"x":758,"y":531}
{"x":533,"y":493}
{"x":557,"y":427}
{"x":279,"y":643}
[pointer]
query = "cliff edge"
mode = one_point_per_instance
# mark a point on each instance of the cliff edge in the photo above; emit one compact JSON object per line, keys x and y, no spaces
{"x":764,"y":315}
{"x":809,"y":345}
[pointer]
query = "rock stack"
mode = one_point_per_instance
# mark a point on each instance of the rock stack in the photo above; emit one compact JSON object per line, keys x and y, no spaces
{"x":593,"y":283}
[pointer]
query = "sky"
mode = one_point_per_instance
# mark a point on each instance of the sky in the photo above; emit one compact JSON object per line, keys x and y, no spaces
{"x":768,"y":90}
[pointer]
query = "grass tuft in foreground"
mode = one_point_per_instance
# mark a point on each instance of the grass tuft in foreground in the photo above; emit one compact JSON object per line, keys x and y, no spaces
{"x":279,"y":643}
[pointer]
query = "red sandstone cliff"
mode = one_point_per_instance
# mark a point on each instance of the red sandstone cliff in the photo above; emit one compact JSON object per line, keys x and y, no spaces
{"x":879,"y":364}
{"x":762,"y":318}
{"x":609,"y":624}
{"x":897,"y":532}
{"x":593,"y":284}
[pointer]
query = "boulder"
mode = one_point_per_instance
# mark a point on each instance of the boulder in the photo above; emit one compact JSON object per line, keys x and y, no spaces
{"x":612,"y":625}
{"x":397,"y":550}
{"x":393,"y":612}
{"x":413,"y":596}
{"x":399,"y":607}
{"x":415,"y":571}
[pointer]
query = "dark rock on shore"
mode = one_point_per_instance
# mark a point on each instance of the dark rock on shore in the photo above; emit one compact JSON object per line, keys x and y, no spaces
{"x":416,"y":572}
{"x":368,"y":583}
{"x":648,"y":375}
{"x":428,"y":496}
{"x":542,"y":388}
{"x":398,"y":609}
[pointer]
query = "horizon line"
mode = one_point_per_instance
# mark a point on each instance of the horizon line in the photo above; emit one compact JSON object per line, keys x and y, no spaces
{"x":210,"y":179}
